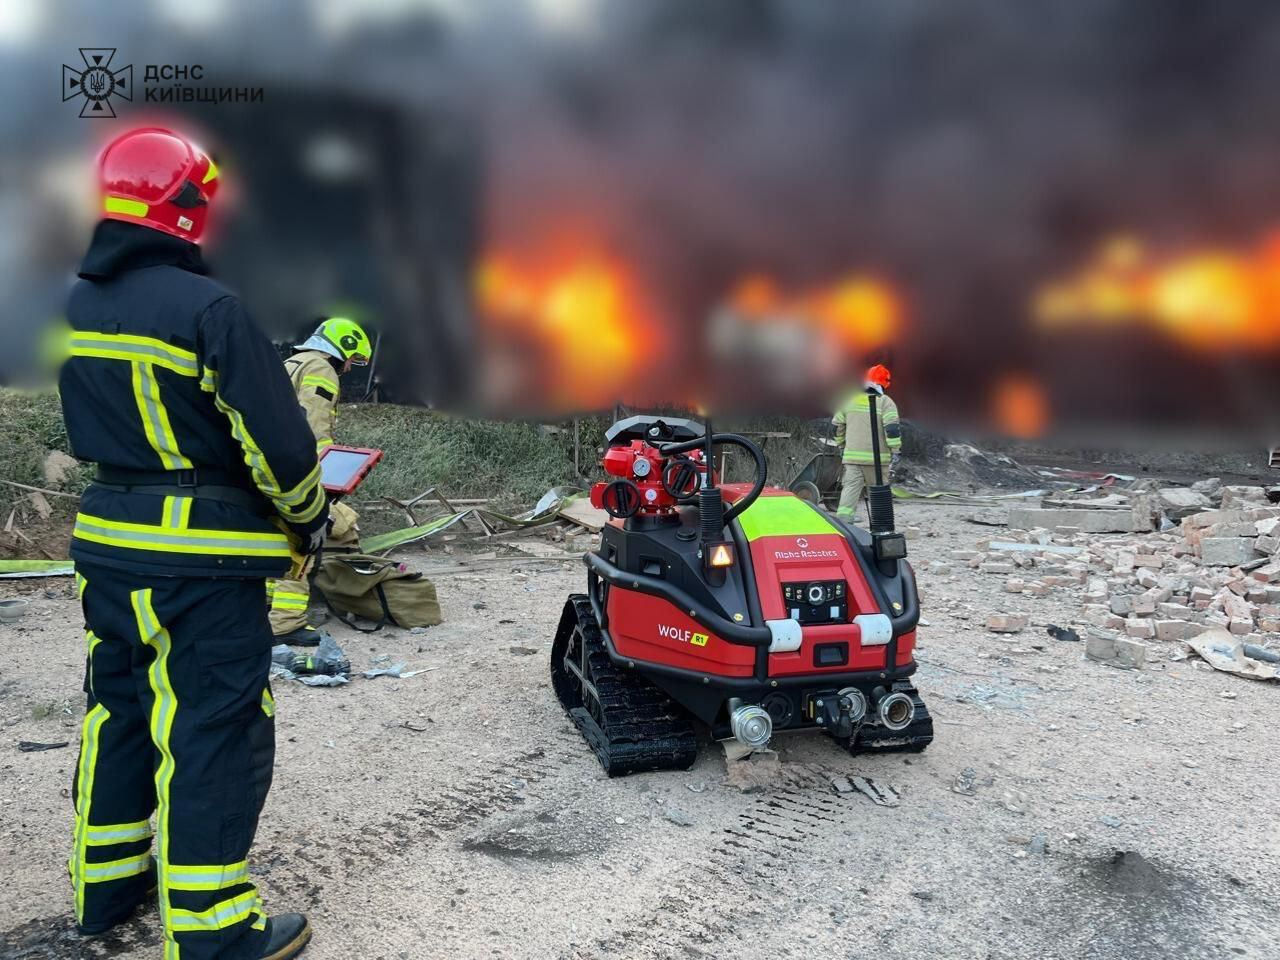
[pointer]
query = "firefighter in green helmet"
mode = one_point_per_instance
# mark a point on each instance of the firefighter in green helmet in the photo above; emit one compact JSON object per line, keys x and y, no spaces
{"x":333,"y":349}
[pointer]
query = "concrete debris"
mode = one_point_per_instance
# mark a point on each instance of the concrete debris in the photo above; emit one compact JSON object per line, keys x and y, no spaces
{"x":1115,"y":651}
{"x":755,"y":773}
{"x":1090,"y":520}
{"x":1179,"y":502}
{"x":1008,"y":622}
{"x":1140,"y":584}
{"x":1226,"y":551}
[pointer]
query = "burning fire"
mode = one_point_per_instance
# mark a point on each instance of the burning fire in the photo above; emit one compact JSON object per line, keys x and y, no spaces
{"x":1211,"y":300}
{"x":1020,"y":407}
{"x":577,"y":331}
{"x":857,"y":312}
{"x":580,"y":325}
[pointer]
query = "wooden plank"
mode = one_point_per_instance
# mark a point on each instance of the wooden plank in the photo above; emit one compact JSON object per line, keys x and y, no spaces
{"x":585,"y":515}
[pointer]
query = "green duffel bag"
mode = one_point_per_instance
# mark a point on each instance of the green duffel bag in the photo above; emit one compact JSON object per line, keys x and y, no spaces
{"x":377,"y":589}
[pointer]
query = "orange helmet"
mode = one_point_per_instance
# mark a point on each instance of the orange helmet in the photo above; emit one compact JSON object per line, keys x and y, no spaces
{"x":159,"y":179}
{"x":879,"y":375}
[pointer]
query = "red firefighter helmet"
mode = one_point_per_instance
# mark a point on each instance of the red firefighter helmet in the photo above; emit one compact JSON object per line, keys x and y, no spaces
{"x":879,"y":375}
{"x":159,"y":179}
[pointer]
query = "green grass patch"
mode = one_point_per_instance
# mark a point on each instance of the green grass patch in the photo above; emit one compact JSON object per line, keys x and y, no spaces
{"x":512,"y":462}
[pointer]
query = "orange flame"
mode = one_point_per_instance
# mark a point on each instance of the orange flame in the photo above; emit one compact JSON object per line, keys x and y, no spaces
{"x":582,"y":317}
{"x":1211,"y":300}
{"x":1020,"y":407}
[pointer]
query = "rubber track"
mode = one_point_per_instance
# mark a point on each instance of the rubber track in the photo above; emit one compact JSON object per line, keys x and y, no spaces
{"x":644,"y":729}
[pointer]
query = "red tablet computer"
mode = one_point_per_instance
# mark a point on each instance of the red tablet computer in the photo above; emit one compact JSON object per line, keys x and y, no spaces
{"x":342,"y":469}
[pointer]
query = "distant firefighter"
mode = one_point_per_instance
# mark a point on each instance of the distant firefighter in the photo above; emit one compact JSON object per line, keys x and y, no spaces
{"x":314,"y":369}
{"x":854,"y":433}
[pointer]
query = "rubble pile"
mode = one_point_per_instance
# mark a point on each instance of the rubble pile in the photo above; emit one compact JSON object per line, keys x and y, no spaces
{"x":1150,"y":565}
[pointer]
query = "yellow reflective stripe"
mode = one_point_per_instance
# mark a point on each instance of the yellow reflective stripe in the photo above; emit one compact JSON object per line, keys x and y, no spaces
{"x":261,"y":922}
{"x":314,"y":380}
{"x":206,"y":878}
{"x":90,"y":732}
{"x":81,"y":583}
{"x":105,"y":836}
{"x":127,"y":346}
{"x":155,"y":418}
{"x":133,"y":208}
{"x":268,"y":703}
{"x":209,"y":380}
{"x":117,"y":869}
{"x":861,"y":457}
{"x":164,"y":706}
{"x":211,"y":173}
{"x":143,"y":536}
{"x":860,"y":403}
{"x":218,"y":917}
{"x":176,"y":512}
{"x":300,"y":504}
{"x":263,"y":478}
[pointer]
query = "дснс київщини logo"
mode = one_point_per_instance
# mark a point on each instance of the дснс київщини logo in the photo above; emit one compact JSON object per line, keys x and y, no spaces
{"x":97,"y":82}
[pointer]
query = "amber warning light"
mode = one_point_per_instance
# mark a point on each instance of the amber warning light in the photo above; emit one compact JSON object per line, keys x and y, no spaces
{"x":721,"y":555}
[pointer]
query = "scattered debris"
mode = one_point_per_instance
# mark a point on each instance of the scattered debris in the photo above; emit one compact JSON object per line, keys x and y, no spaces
{"x":1008,"y":622}
{"x":11,"y":610}
{"x":756,"y":772}
{"x":678,"y":817}
{"x":881,"y":796}
{"x":30,"y":746}
{"x":1224,"y":652}
{"x":966,"y":782}
{"x":328,"y":666}
{"x":1063,"y":633}
{"x":57,"y":466}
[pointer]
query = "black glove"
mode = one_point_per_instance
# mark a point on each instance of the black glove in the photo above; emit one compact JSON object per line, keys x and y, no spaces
{"x":310,"y":536}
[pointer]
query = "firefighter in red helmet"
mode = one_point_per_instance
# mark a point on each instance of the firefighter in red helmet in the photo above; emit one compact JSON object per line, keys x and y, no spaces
{"x":855,"y":435}
{"x":207,"y":485}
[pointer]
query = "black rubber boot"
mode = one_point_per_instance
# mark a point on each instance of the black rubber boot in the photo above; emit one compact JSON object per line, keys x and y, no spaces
{"x":305,"y":636}
{"x":287,"y":936}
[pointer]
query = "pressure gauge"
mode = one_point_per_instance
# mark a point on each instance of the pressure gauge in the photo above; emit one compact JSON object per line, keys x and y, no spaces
{"x":641,"y":467}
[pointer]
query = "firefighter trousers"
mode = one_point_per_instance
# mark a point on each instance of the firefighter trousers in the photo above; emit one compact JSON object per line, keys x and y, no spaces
{"x":857,"y":477}
{"x":289,"y":599}
{"x":175,"y":757}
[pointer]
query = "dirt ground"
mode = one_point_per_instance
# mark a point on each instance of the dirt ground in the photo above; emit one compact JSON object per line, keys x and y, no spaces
{"x":1066,"y":809}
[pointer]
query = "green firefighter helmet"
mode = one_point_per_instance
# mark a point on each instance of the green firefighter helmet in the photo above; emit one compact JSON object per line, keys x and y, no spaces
{"x":342,"y":339}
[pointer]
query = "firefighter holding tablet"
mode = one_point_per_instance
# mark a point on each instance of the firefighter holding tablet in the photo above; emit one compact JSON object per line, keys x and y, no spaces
{"x":337,"y":345}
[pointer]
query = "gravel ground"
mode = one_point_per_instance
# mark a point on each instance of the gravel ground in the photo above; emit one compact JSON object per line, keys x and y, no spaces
{"x":456,"y":813}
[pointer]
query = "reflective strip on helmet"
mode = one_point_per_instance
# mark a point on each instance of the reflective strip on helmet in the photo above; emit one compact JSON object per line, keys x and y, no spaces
{"x":132,"y":208}
{"x":206,"y":878}
{"x":145,"y":536}
{"x":116,"y":869}
{"x":155,"y":418}
{"x":105,"y":836}
{"x":125,"y":346}
{"x":211,"y":173}
{"x":218,"y":917}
